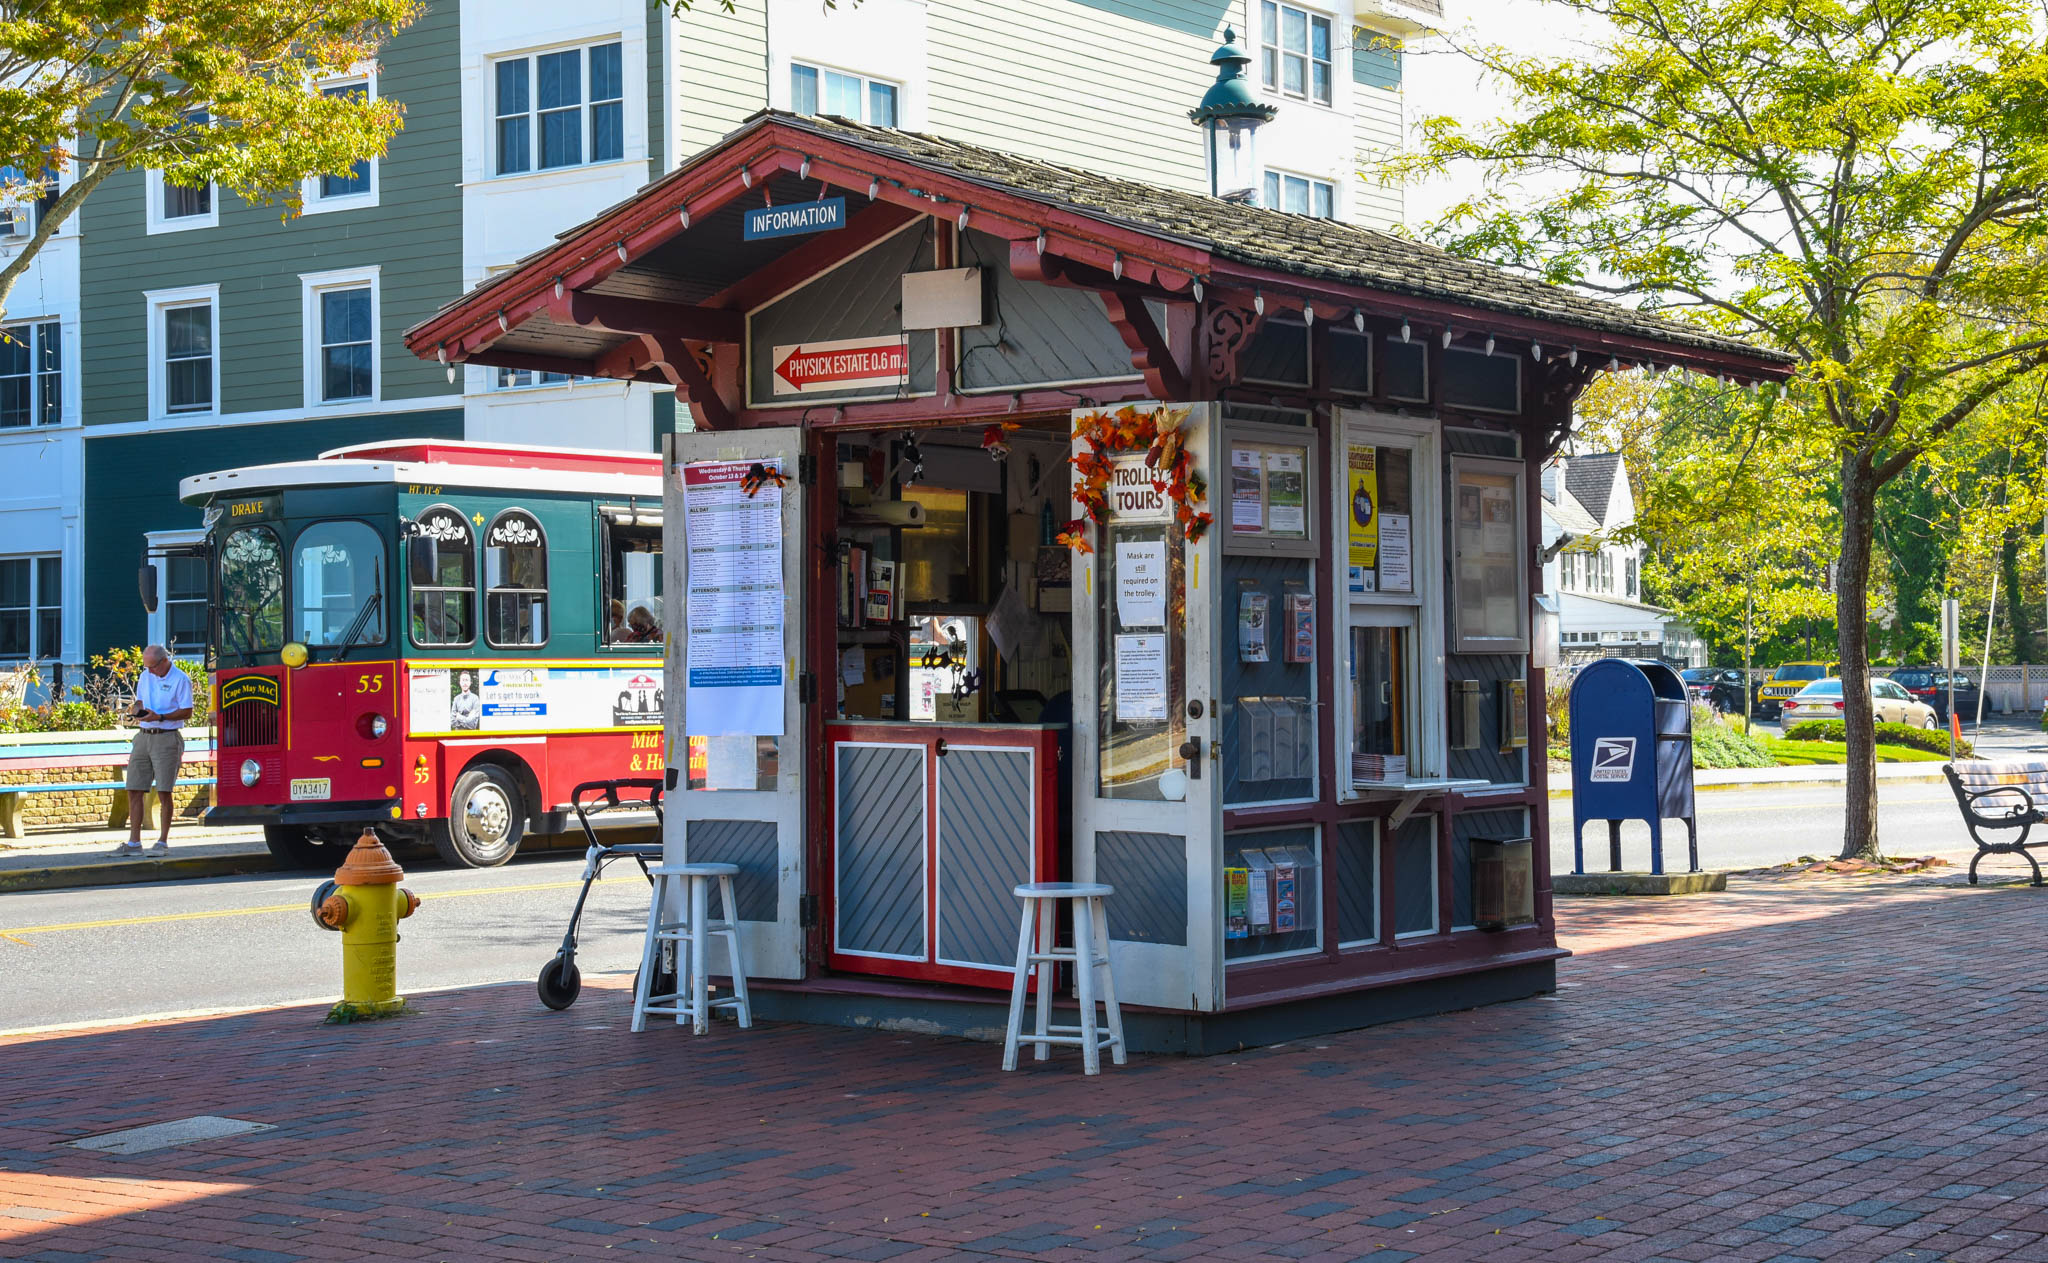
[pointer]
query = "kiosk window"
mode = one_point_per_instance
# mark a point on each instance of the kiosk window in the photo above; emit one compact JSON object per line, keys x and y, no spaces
{"x":441,"y":562}
{"x":1489,"y":570}
{"x":335,"y":584}
{"x":516,"y":579}
{"x":1380,"y":662}
{"x":251,"y":592}
{"x":632,"y":569}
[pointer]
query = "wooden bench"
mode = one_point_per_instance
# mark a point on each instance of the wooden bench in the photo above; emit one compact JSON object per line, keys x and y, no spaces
{"x":44,"y":753}
{"x":117,"y":813}
{"x":2003,"y":795}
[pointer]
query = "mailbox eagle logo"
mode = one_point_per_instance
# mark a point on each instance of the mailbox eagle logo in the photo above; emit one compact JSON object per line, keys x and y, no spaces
{"x":1614,"y":758}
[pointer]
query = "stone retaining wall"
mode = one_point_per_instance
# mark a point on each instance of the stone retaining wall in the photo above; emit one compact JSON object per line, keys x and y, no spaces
{"x":91,"y":806}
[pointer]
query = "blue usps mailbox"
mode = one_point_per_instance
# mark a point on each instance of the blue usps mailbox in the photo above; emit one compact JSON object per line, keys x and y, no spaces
{"x":1631,"y":756}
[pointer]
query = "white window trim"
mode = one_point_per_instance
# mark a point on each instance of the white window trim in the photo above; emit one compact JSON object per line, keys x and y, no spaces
{"x":311,"y":286}
{"x":811,"y":63}
{"x":1335,"y":186}
{"x":1338,"y":27}
{"x":66,"y":414}
{"x":632,"y":88}
{"x":1429,"y":752}
{"x":155,"y":303}
{"x":153,"y":208}
{"x":311,"y":203}
{"x":155,"y":543}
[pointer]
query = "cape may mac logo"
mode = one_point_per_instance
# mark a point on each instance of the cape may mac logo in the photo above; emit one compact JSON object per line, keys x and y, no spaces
{"x":639,"y":701}
{"x":1614,"y":758}
{"x":249,"y":688}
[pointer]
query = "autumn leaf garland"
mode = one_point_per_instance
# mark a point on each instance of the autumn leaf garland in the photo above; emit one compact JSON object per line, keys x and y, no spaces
{"x":1159,"y":434}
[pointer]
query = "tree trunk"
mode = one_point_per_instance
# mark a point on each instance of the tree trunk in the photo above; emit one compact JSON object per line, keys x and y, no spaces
{"x":2019,"y":613}
{"x":1852,"y":589}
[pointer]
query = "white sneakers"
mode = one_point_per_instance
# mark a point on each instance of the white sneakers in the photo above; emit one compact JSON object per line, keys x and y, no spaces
{"x":135,"y":850}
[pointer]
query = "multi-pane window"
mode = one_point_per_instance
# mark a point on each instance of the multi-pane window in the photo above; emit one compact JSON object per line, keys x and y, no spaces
{"x":515,"y":581}
{"x":181,"y":201}
{"x":188,"y":357}
{"x":357,"y":180}
{"x":513,"y":378}
{"x":184,"y":603}
{"x":31,"y":607}
{"x":31,"y":375}
{"x":1300,"y":195}
{"x":1294,"y":51}
{"x":346,"y":361}
{"x":25,"y":207}
{"x":442,"y":566}
{"x":816,"y":91}
{"x":560,"y":109}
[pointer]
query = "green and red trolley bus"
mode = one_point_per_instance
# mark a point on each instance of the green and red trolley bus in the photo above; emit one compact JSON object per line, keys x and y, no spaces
{"x":436,"y":639}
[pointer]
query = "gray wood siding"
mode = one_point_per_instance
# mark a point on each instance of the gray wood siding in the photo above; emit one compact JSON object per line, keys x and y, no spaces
{"x":256,"y":257}
{"x":721,"y":69}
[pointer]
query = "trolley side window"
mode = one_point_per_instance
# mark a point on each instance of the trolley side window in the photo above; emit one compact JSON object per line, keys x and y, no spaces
{"x":251,"y":592}
{"x":336,"y":586}
{"x":632,"y":578}
{"x":442,"y":565}
{"x":516,"y":581}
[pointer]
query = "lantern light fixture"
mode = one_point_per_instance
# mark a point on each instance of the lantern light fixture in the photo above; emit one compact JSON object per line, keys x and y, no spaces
{"x":1230,"y":118}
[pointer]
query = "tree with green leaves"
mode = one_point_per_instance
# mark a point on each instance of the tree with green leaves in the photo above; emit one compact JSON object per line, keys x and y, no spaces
{"x":1856,"y":182}
{"x":206,"y":91}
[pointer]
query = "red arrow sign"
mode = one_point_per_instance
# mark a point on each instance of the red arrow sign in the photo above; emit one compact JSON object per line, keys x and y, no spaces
{"x":852,"y":364}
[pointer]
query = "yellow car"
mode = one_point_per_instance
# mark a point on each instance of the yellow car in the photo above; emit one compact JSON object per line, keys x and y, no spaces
{"x":1785,"y":684}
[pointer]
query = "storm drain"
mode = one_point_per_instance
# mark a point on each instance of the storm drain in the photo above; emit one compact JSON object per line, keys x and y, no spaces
{"x":183,"y":1131}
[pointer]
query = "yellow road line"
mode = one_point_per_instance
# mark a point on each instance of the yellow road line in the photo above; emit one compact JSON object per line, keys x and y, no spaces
{"x":166,"y":917}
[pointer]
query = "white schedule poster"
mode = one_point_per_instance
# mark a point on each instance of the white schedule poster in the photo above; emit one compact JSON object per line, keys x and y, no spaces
{"x":735,"y":600}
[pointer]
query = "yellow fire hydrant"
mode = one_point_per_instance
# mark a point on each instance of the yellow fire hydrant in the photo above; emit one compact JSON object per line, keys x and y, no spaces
{"x":365,"y":902}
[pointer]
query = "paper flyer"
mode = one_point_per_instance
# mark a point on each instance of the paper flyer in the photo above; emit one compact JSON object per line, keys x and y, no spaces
{"x":1141,"y":678}
{"x":1363,"y":517}
{"x":1286,"y":493}
{"x":1141,"y":583}
{"x":1253,"y":615}
{"x":1397,"y":563}
{"x":734,"y":606}
{"x":1247,"y":497}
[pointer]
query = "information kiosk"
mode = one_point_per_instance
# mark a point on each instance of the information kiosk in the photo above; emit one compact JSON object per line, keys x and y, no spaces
{"x":1031,"y":524}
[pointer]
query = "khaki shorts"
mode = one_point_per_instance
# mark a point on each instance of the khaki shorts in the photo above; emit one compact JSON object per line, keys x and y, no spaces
{"x":154,"y":758}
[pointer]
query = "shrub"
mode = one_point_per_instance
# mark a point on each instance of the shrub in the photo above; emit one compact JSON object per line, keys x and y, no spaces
{"x":97,"y":703}
{"x":1930,"y":739}
{"x":1557,"y":706}
{"x":1715,"y":744}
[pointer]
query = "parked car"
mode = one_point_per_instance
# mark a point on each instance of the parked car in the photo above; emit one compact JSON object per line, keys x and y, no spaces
{"x":1723,"y":688}
{"x":1822,"y":699}
{"x":1931,"y":684}
{"x":1785,"y":682}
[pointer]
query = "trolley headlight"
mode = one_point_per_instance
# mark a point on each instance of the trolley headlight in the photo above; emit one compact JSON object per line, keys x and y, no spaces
{"x":252,"y":771}
{"x":372,"y":726}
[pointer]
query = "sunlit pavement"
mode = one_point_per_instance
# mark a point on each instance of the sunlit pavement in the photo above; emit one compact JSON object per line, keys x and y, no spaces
{"x":1797,"y":1070}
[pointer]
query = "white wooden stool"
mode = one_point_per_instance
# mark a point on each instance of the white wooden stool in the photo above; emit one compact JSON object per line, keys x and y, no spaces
{"x":1089,"y":953}
{"x":689,"y":887}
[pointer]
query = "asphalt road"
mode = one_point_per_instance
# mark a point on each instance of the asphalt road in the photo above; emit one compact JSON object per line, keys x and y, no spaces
{"x":129,"y":952}
{"x":133,"y":951}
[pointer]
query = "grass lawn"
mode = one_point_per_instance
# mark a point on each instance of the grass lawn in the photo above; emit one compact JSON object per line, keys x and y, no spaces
{"x":1792,"y":753}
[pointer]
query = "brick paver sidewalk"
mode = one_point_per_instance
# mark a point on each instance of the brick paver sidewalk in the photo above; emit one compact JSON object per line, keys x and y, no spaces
{"x":1795,"y":1071}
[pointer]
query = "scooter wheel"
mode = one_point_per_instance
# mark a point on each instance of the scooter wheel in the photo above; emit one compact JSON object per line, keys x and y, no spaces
{"x":560,"y":983}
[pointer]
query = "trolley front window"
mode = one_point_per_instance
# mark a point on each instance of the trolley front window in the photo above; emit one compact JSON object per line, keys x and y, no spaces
{"x":336,"y":589}
{"x":516,"y":579}
{"x":442,"y":565}
{"x":251,"y":592}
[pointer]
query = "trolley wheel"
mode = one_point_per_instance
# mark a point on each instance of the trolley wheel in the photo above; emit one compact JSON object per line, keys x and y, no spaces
{"x":560,"y":983}
{"x":296,"y":848}
{"x":486,"y":819}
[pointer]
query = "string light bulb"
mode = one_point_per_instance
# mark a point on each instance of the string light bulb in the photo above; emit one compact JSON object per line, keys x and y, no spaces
{"x":683,"y":214}
{"x":1404,"y":330}
{"x":1259,"y":303}
{"x":621,"y":248}
{"x":803,"y":170}
{"x":1573,"y":358}
{"x":1447,"y":337}
{"x":746,"y":177}
{"x":874,"y":189}
{"x":1116,"y":266}
{"x":558,"y":287}
{"x":1489,"y":344}
{"x":963,"y":219}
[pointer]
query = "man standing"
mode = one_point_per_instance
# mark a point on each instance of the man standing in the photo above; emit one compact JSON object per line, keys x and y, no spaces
{"x":163,"y":701}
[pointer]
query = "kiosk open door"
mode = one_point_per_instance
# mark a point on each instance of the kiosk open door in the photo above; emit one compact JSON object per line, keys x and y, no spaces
{"x":1147,"y":812}
{"x":732,"y":514}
